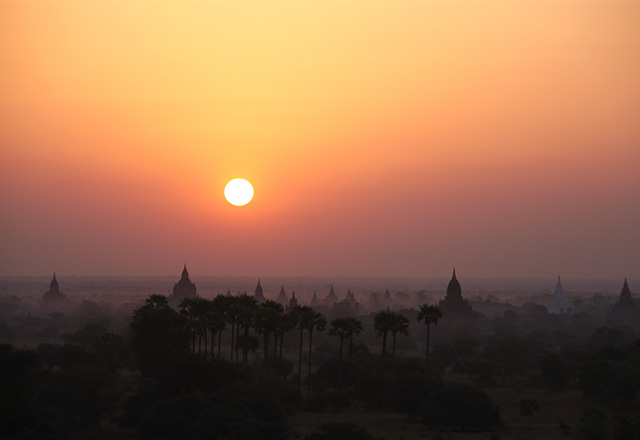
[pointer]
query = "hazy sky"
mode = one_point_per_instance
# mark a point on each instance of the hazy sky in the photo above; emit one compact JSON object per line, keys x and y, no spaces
{"x":383,"y":138}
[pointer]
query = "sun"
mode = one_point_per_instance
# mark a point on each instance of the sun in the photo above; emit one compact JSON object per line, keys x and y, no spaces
{"x":238,"y":192}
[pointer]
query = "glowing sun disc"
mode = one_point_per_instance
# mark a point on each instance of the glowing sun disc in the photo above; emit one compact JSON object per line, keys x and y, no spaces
{"x":238,"y":192}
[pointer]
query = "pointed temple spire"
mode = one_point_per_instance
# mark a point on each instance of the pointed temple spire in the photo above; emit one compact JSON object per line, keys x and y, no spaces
{"x":454,"y":306}
{"x":53,"y":287}
{"x":282,"y":297}
{"x":54,"y":297}
{"x":626,"y":307}
{"x":559,"y":303}
{"x":259,"y":295}
{"x":626,"y":293}
{"x":184,"y":288}
{"x":454,"y":289}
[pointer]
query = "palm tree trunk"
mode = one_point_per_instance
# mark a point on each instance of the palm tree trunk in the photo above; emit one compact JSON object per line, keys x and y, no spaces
{"x":275,"y":345}
{"x":350,"y":354}
{"x":281,"y":341}
{"x":245,"y":348}
{"x":233,"y":328}
{"x":205,"y":339}
{"x":199,"y":343}
{"x":350,"y":348}
{"x":219,"y":342}
{"x":300,"y":361}
{"x":393,"y":356}
{"x":340,"y":366}
{"x":309,"y":371}
{"x":384,"y":345}
{"x":428,"y":347}
{"x":266,"y":345}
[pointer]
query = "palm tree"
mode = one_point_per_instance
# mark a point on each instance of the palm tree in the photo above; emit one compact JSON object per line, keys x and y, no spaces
{"x":399,"y":324}
{"x":303,"y":316}
{"x":382,"y":323}
{"x":221,"y":306}
{"x":287,"y":322}
{"x":267,"y":318}
{"x":345,"y":328}
{"x":316,"y":322}
{"x":247,"y":307}
{"x":188,"y":307}
{"x":429,"y":315}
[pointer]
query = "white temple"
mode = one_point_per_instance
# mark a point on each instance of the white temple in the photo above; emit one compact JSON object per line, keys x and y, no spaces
{"x":559,"y":303}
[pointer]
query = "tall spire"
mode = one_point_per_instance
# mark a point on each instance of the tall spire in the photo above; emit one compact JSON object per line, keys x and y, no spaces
{"x":282,"y":297}
{"x":625,"y":293}
{"x":258,"y":295}
{"x":185,"y":272}
{"x":454,"y":289}
{"x":559,"y":291}
{"x":53,"y":287}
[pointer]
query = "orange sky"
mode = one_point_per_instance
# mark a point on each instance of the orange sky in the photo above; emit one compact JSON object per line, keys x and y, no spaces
{"x":383,"y":138}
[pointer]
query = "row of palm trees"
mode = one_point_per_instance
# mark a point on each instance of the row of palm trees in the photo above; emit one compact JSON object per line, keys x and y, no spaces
{"x":208,"y":319}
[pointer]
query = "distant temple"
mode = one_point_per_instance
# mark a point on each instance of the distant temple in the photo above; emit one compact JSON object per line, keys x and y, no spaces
{"x":293,"y":303}
{"x":184,"y":288}
{"x":558,"y":302}
{"x":331,"y":298}
{"x":347,"y":307}
{"x":53,"y":296}
{"x":314,"y":301}
{"x":282,"y":297}
{"x":258,"y":294}
{"x":626,"y":308}
{"x":453,"y":306}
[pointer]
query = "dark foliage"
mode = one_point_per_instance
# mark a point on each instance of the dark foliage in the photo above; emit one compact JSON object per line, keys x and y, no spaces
{"x":340,"y":431}
{"x":160,"y":337}
{"x":16,"y":388}
{"x":235,"y":412}
{"x":462,"y":408}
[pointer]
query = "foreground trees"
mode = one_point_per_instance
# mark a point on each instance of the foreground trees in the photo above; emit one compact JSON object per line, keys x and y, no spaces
{"x":345,"y":329}
{"x":382,"y":323}
{"x":429,"y":315}
{"x":160,"y":335}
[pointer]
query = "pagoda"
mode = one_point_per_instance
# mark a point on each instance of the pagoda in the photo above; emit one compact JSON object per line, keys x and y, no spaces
{"x":53,"y":296}
{"x":626,"y":308}
{"x":331,"y":298}
{"x":184,"y":288}
{"x":258,"y":294}
{"x":558,"y":302}
{"x":282,"y":297}
{"x":453,"y":306}
{"x":293,"y":303}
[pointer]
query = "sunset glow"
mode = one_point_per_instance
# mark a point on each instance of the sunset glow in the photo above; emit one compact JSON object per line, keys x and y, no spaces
{"x":387,"y":138}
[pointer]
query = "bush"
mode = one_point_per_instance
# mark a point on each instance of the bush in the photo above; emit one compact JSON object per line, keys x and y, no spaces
{"x":528,"y":406}
{"x":463,"y":408}
{"x":593,"y":425}
{"x":408,"y":391}
{"x":339,"y":431}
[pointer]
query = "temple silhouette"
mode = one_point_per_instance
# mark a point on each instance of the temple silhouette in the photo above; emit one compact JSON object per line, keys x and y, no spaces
{"x":453,"y":306}
{"x":259,"y":294}
{"x":558,"y":302}
{"x":53,"y":296}
{"x":184,"y":288}
{"x":626,"y":308}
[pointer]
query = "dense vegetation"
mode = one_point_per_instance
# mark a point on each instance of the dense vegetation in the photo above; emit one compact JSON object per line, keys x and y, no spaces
{"x":230,"y":368}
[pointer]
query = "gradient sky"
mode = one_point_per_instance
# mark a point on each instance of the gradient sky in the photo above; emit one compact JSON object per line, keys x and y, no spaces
{"x":383,"y":138}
